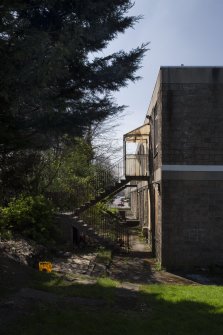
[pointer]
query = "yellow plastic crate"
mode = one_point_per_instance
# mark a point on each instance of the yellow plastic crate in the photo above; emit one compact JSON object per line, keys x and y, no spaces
{"x":45,"y":266}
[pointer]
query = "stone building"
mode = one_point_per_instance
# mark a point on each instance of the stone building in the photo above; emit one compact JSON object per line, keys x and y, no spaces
{"x":180,"y":205}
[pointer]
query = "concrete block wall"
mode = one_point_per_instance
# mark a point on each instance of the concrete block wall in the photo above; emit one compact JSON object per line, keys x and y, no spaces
{"x":155,"y":164}
{"x":192,"y":124}
{"x":192,"y":223}
{"x":192,"y":137}
{"x":134,"y":203}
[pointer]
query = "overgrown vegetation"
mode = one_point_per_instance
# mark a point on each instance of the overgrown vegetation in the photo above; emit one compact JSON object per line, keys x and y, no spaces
{"x":30,"y":216}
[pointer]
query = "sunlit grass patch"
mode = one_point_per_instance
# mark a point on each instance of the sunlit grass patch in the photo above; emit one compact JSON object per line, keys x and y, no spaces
{"x":211,"y":295}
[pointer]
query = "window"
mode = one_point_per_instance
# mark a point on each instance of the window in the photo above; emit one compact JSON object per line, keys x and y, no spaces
{"x":155,"y":131}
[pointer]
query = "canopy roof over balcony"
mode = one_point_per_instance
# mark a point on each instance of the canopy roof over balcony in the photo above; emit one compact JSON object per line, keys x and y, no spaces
{"x":137,"y":135}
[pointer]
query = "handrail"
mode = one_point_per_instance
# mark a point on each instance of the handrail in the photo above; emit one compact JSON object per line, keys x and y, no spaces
{"x":82,"y":199}
{"x":136,"y":165}
{"x":107,"y":227}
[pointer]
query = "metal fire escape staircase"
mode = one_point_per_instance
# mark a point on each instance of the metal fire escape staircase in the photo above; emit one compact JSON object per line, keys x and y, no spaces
{"x":96,"y":222}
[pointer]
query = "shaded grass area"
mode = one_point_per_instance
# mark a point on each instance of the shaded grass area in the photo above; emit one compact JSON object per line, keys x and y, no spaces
{"x":80,"y":321}
{"x":157,"y":312}
{"x":103,"y":288}
{"x":13,"y":276}
{"x":155,"y":309}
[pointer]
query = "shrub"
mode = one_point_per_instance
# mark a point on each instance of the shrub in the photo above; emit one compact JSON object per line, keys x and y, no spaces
{"x":31,"y":216}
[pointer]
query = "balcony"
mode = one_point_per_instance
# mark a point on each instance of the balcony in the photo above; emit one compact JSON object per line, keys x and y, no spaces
{"x":135,"y":152}
{"x":136,"y":165}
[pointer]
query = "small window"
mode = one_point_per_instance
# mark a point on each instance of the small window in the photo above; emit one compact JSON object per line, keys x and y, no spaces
{"x":155,"y":131}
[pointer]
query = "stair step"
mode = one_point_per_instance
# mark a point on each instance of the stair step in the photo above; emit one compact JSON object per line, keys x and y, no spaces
{"x":100,"y":196}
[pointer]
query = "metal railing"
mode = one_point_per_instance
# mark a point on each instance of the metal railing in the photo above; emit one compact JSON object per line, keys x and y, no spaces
{"x":106,"y":226}
{"x":105,"y":178}
{"x":136,"y":165}
{"x":100,"y":180}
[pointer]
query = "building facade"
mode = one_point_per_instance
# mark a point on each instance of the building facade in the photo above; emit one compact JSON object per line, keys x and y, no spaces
{"x":181,"y":204}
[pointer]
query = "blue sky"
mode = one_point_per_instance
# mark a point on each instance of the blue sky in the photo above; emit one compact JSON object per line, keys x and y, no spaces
{"x":185,"y":32}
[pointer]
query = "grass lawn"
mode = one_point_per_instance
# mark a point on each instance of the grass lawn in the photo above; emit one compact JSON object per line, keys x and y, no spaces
{"x":155,"y":309}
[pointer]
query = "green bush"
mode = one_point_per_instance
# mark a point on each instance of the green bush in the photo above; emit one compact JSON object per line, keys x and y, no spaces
{"x":30,"y":216}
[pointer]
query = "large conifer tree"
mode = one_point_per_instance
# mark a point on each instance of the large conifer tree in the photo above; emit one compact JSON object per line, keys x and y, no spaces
{"x":52,"y":81}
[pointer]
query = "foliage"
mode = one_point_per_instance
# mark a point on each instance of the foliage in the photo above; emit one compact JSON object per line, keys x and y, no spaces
{"x":74,"y":166}
{"x":19,"y":173}
{"x":113,"y":210}
{"x":157,"y":265}
{"x":63,"y":170}
{"x":5,"y":233}
{"x":71,"y":176}
{"x":53,"y":78}
{"x":56,"y":84}
{"x":67,"y":175}
{"x":31,"y":216}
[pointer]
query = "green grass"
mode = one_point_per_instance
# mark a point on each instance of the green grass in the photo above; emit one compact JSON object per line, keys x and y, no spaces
{"x":104,"y":288}
{"x":155,"y":309}
{"x":80,"y":322}
{"x":175,"y":310}
{"x":211,"y":295}
{"x":158,"y":266}
{"x":185,"y":309}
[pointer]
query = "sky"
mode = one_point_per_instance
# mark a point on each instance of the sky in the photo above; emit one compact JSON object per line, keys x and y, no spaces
{"x":188,"y":32}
